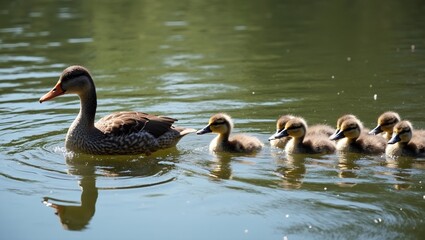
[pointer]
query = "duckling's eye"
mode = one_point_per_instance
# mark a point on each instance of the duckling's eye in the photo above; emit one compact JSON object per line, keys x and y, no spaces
{"x":389,"y":123}
{"x":406,"y":130}
{"x":349,"y":129}
{"x":217,"y":123}
{"x":293,"y":127}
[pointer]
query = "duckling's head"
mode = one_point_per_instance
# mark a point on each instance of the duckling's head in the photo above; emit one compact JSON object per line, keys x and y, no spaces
{"x":281,"y":122}
{"x":295,"y":128}
{"x":340,"y":121}
{"x":386,"y":122}
{"x":74,"y":79}
{"x":402,"y":132}
{"x":220,"y":123}
{"x":350,"y":128}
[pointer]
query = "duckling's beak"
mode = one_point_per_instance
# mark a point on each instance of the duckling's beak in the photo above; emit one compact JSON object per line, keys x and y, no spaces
{"x":56,"y":91}
{"x":204,"y":130}
{"x":277,"y":135}
{"x":334,"y":134}
{"x":394,"y":139}
{"x":337,"y":135}
{"x":376,"y":130}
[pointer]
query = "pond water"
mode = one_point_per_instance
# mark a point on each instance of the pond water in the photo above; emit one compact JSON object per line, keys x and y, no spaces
{"x":254,"y":60}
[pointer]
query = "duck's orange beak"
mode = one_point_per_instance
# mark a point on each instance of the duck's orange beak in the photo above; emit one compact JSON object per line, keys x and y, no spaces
{"x":56,"y":91}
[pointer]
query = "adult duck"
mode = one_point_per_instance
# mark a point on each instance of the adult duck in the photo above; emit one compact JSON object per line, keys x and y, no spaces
{"x":117,"y":133}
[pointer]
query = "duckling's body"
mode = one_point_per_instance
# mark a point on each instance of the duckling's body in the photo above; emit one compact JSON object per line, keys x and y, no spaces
{"x":316,"y":129}
{"x":404,"y":143}
{"x":222,"y":124}
{"x":352,"y":139}
{"x":117,"y":133}
{"x":296,"y":129}
{"x":386,"y":123}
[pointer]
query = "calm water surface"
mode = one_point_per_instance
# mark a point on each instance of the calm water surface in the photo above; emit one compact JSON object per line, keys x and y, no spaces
{"x":254,"y":60}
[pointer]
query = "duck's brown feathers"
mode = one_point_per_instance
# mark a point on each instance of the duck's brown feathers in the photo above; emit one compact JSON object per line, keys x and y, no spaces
{"x":121,"y":123}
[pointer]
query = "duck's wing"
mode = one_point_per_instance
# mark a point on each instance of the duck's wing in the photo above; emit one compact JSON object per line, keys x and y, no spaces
{"x":122,"y":123}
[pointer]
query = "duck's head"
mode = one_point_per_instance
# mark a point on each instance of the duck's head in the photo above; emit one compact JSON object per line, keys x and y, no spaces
{"x":402,"y":132}
{"x":74,"y":79}
{"x":280,"y":124}
{"x":220,"y":123}
{"x":295,"y":128}
{"x":350,"y":128}
{"x":386,"y":123}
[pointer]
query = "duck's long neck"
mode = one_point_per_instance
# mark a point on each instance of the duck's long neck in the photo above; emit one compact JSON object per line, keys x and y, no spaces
{"x":88,"y":105}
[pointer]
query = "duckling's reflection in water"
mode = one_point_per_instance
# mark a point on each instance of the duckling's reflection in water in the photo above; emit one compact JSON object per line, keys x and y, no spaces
{"x":76,"y":216}
{"x":221,"y":167}
{"x":291,"y":169}
{"x":400,"y":169}
{"x":347,"y":167}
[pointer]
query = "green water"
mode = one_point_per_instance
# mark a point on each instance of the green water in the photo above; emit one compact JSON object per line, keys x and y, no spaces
{"x":255,"y":60}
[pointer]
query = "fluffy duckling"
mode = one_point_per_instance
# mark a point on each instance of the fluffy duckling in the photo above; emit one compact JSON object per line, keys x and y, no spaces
{"x":339,"y":122}
{"x":313,"y":130}
{"x":386,"y":123}
{"x":280,"y":125}
{"x":296,"y":128}
{"x":351,"y":138}
{"x":403,"y":143}
{"x":222,"y":124}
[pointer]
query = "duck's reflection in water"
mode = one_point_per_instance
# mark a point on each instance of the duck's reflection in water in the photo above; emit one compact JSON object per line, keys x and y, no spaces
{"x":75,"y":215}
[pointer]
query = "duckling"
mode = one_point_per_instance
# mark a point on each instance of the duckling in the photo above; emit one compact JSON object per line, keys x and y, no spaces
{"x":296,"y":128}
{"x":386,"y":123}
{"x":339,"y":122}
{"x":313,"y":130}
{"x":404,"y":143}
{"x":352,"y":139}
{"x":280,"y":125}
{"x":222,"y":124}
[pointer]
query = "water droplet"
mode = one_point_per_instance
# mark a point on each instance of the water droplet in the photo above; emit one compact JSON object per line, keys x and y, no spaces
{"x":287,"y":215}
{"x":375,"y":96}
{"x":413,"y":48}
{"x":310,"y":226}
{"x":325,"y":188}
{"x":285,"y":238}
{"x":348,"y":59}
{"x":333,"y":77}
{"x":246,"y":231}
{"x":253,"y":93}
